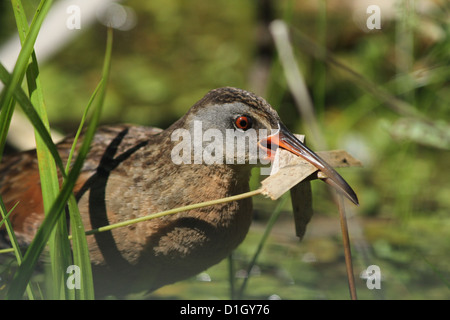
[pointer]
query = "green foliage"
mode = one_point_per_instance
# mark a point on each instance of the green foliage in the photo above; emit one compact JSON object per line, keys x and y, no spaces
{"x":53,"y":230}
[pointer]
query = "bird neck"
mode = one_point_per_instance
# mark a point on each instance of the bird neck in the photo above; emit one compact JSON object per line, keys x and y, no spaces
{"x":192,"y":179}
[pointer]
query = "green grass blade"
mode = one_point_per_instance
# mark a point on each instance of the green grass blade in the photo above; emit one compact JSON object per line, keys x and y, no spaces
{"x":24,"y":272}
{"x":80,"y":259}
{"x":39,"y":242}
{"x":79,"y":244}
{"x":80,"y":248}
{"x":28,"y":109}
{"x":80,"y":127}
{"x":12,"y":237}
{"x":60,"y":255}
{"x":5,"y":120}
{"x":5,"y":217}
{"x":6,"y":97}
{"x":81,"y":252}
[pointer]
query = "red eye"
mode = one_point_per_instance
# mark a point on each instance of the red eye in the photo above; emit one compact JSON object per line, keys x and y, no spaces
{"x":243,"y":122}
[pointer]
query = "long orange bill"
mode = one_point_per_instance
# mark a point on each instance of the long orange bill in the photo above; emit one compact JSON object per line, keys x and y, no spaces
{"x":288,"y":141}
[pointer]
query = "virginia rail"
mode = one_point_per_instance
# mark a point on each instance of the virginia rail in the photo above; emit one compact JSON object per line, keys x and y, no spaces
{"x":130,"y":172}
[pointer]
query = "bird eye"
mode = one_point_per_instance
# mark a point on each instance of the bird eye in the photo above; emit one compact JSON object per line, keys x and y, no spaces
{"x":243,"y":122}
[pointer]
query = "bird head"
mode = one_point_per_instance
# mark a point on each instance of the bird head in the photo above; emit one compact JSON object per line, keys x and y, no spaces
{"x":232,"y":126}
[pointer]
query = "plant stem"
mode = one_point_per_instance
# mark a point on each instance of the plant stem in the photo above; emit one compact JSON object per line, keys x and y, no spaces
{"x":347,"y":250}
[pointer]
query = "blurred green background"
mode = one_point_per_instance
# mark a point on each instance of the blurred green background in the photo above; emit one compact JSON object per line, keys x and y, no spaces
{"x":171,"y":52}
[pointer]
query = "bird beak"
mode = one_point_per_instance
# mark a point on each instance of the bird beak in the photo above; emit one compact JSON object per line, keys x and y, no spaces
{"x":286,"y":140}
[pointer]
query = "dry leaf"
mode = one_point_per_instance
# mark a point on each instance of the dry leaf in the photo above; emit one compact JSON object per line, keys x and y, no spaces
{"x":294,"y":174}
